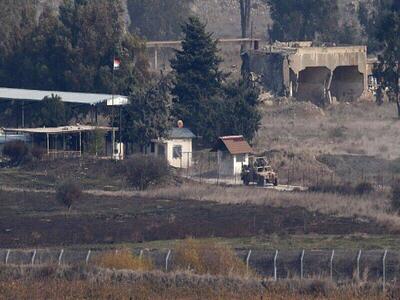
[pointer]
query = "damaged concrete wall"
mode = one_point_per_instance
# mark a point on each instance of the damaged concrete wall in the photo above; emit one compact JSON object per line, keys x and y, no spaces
{"x":269,"y":67}
{"x":317,"y":74}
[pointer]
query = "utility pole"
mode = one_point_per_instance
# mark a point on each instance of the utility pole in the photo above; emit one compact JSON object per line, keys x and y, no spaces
{"x":112,"y":108}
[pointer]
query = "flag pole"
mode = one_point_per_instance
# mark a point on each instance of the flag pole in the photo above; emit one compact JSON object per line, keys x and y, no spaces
{"x":112,"y":108}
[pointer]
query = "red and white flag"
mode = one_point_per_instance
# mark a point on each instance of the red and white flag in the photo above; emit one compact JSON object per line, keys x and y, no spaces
{"x":117,"y":63}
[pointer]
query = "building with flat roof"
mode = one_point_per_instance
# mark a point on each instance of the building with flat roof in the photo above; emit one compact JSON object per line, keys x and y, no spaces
{"x":320,"y":74}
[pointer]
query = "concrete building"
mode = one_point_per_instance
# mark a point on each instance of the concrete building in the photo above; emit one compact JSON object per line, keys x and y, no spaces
{"x":176,"y":148}
{"x":318,"y":74}
{"x":232,"y":153}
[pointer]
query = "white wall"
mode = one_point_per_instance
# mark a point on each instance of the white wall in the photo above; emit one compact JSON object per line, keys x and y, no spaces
{"x":231,"y":165}
{"x":186,"y":160}
{"x":178,"y":162}
{"x":239,"y":161}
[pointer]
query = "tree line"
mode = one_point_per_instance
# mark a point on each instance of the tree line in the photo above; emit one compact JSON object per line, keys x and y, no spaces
{"x":72,"y":48}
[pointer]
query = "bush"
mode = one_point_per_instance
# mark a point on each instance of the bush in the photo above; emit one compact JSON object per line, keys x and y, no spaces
{"x":123,"y":260}
{"x":38,"y":153}
{"x":69,"y":192}
{"x":143,"y":171}
{"x":324,"y":187}
{"x":208,"y":257}
{"x":396,"y":195}
{"x":364,"y":188}
{"x":16,"y":151}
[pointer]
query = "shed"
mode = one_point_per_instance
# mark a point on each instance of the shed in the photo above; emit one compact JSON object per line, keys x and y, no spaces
{"x":232,"y":152}
{"x":176,"y":147}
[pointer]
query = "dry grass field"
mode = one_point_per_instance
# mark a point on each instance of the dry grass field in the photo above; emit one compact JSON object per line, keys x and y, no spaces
{"x":93,"y":283}
{"x":357,"y":128}
{"x":361,"y":137}
{"x":375,"y":206}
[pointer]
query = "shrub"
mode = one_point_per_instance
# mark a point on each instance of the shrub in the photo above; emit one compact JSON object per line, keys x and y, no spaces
{"x":143,"y":171}
{"x":343,"y":189}
{"x":123,"y":260}
{"x":324,"y":187}
{"x":208,"y":257}
{"x":364,"y":188}
{"x":396,"y":195}
{"x":16,"y":151}
{"x":38,"y":153}
{"x":337,"y":132}
{"x":68,"y":192}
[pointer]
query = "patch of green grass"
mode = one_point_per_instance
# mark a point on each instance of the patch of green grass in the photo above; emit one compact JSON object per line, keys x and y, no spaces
{"x":273,"y":242}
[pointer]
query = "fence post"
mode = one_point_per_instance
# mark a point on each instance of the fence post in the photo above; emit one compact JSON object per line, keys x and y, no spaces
{"x":275,"y":267}
{"x":166,"y":260}
{"x":301,"y":265}
{"x":33,"y":257}
{"x":248,"y":260}
{"x":358,"y":264}
{"x":8,"y":255}
{"x":384,"y":271}
{"x":331,"y":264}
{"x":88,"y":256}
{"x":60,"y":257}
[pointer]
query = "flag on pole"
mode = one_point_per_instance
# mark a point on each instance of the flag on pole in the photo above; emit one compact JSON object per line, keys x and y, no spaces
{"x":117,"y":63}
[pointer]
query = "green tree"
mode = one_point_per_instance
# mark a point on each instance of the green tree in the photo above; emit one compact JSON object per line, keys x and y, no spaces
{"x":73,"y":49}
{"x":166,"y":26}
{"x":240,"y":110}
{"x":316,"y":20}
{"x":17,"y":22}
{"x":388,"y":71}
{"x":197,"y":81}
{"x":147,"y":116}
{"x":52,"y":113}
{"x":370,"y":14}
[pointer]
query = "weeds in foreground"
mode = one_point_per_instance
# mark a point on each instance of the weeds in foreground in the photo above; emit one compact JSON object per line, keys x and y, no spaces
{"x":123,"y":260}
{"x":208,"y":257}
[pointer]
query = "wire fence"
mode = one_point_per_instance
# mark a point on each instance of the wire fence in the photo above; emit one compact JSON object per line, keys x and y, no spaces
{"x":337,"y":265}
{"x":204,"y":167}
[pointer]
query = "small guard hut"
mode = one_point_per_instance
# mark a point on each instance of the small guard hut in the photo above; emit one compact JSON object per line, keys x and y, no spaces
{"x":176,"y":147}
{"x":232,"y":152}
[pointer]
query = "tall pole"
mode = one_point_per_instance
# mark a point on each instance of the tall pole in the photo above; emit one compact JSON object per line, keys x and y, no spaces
{"x":120,"y":132}
{"x":112,"y":109}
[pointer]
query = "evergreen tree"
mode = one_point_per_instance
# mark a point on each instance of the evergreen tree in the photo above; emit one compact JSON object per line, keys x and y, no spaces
{"x":333,"y":21}
{"x":198,"y":81}
{"x":240,"y":110}
{"x":147,"y":116}
{"x":73,"y":49}
{"x":388,"y":72}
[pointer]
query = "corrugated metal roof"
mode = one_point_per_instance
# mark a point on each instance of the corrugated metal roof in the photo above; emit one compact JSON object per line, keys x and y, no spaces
{"x":233,"y":144}
{"x":37,"y":95}
{"x":13,"y":137}
{"x":181,"y":133}
{"x":59,"y":130}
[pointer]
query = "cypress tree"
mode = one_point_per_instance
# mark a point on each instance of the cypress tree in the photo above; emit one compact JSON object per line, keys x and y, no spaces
{"x":198,"y":81}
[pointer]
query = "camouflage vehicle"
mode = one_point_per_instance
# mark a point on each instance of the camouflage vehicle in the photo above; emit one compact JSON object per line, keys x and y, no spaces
{"x":258,"y":171}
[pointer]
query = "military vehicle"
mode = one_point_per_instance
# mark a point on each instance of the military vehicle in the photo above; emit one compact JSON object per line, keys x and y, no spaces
{"x":258,"y":171}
